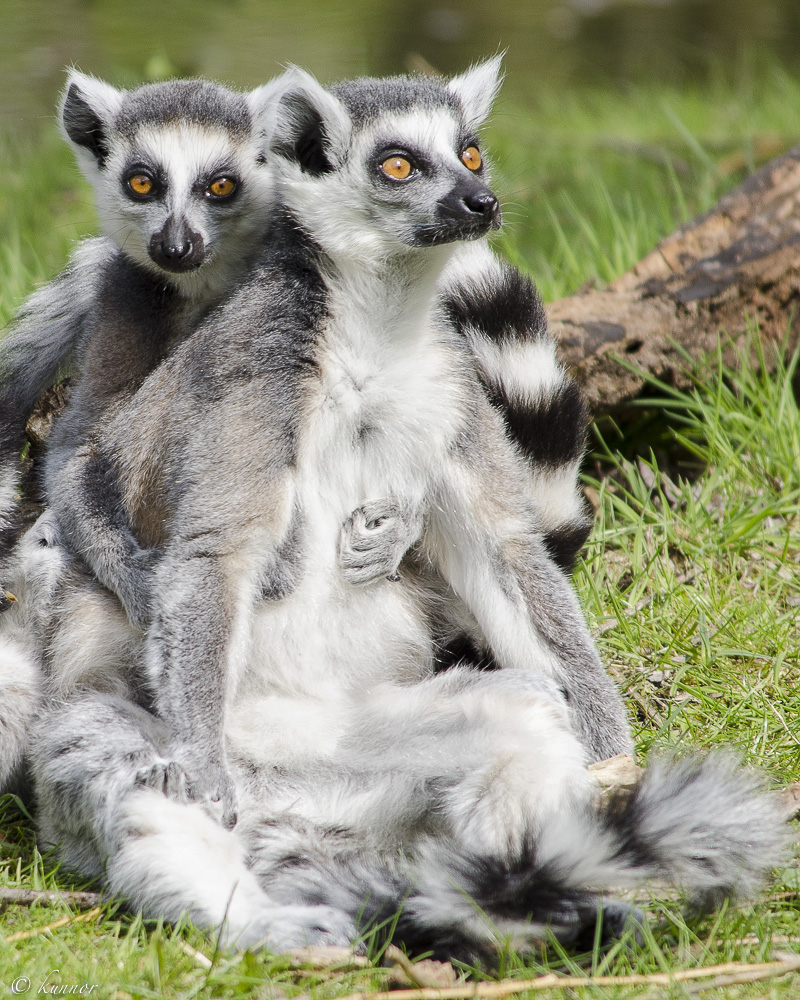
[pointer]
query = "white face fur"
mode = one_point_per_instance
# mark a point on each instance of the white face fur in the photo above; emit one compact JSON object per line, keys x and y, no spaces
{"x":185,"y":200}
{"x":400,"y":181}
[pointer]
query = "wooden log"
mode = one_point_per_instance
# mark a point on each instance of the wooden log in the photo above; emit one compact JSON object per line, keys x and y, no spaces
{"x":737,"y":263}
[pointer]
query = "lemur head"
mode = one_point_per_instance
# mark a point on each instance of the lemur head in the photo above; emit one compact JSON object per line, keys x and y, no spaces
{"x":379,"y":166}
{"x":179,"y":172}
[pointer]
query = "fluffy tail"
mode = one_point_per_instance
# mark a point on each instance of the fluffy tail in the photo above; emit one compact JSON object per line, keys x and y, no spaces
{"x":42,"y":339}
{"x":702,"y":824}
{"x":498,"y":311}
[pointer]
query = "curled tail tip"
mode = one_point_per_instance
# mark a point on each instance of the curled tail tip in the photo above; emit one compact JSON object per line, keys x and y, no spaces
{"x":706,"y":823}
{"x":701,"y":823}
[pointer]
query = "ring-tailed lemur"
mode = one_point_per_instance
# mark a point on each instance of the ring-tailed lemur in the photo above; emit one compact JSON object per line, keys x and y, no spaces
{"x":183,"y":191}
{"x":334,"y":374}
{"x":116,"y":320}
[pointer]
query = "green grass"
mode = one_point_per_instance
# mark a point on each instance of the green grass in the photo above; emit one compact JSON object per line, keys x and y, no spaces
{"x":691,"y":576}
{"x":701,"y":574}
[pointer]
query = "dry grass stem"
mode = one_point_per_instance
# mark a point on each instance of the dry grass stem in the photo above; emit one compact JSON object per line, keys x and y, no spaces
{"x":28,"y":897}
{"x":730,"y":970}
{"x":69,"y":919}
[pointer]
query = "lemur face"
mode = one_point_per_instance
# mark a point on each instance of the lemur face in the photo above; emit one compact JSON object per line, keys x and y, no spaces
{"x":173,"y":193}
{"x":425,"y":177}
{"x":180,"y":177}
{"x":383,"y":165}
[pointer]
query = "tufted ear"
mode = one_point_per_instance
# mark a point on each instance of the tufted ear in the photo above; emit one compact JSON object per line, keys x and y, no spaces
{"x":477,"y":88}
{"x":312,"y":127}
{"x":88,"y":109}
{"x":263,"y":103}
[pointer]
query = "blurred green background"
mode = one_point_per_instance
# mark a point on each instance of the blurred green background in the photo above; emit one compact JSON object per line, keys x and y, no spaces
{"x":618,"y":118}
{"x":564,"y":42}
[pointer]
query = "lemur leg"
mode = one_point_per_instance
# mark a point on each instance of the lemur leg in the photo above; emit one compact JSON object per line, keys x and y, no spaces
{"x":34,"y":570}
{"x":21,"y":689}
{"x":495,"y":757}
{"x":485,"y":544}
{"x":488,"y":763}
{"x":73,"y":628}
{"x":94,"y":762}
{"x":486,"y":758}
{"x":375,"y":538}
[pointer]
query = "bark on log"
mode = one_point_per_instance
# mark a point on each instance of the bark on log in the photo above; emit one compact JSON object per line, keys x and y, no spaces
{"x":740,"y":260}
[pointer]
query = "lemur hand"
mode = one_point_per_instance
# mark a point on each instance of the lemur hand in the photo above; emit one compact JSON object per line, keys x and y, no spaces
{"x":134,"y":588}
{"x":374,"y":539}
{"x":207,"y":783}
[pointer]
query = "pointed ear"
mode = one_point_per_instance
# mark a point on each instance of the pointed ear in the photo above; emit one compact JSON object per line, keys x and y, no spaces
{"x":263,"y":104}
{"x":88,"y":109}
{"x":312,"y":127}
{"x":477,"y":88}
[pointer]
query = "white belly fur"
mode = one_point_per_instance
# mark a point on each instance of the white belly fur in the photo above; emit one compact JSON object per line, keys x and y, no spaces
{"x":330,"y":641}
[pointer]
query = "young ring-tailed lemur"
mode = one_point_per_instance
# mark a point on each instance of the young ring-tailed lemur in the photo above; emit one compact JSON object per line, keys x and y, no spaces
{"x":183,"y":190}
{"x":336,"y":375}
{"x":183,"y":137}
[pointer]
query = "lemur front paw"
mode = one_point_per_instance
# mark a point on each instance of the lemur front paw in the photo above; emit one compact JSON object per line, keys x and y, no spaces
{"x":206,"y":783}
{"x":167,"y":777}
{"x":374,"y":539}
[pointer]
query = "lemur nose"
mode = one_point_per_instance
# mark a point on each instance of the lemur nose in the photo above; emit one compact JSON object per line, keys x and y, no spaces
{"x":482,"y":203}
{"x":176,"y":251}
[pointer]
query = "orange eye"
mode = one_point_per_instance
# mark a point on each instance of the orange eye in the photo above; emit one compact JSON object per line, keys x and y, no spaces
{"x":397,"y":167}
{"x":141,"y":184}
{"x":222,"y":187}
{"x":471,"y":158}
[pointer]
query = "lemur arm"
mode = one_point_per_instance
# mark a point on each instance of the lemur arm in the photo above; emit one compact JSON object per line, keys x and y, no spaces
{"x":484,"y":540}
{"x":221,"y":560}
{"x":188,"y":650}
{"x":43,"y":338}
{"x":89,"y":508}
{"x":499,"y":313}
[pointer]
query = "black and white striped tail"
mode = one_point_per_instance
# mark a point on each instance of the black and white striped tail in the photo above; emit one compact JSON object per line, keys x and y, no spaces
{"x":498,"y":310}
{"x":702,"y":824}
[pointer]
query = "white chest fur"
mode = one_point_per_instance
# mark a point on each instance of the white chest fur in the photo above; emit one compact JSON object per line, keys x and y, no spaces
{"x":378,"y":423}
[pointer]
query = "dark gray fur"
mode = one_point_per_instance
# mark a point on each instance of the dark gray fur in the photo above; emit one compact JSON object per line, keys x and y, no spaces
{"x":198,"y":101}
{"x":368,"y":98}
